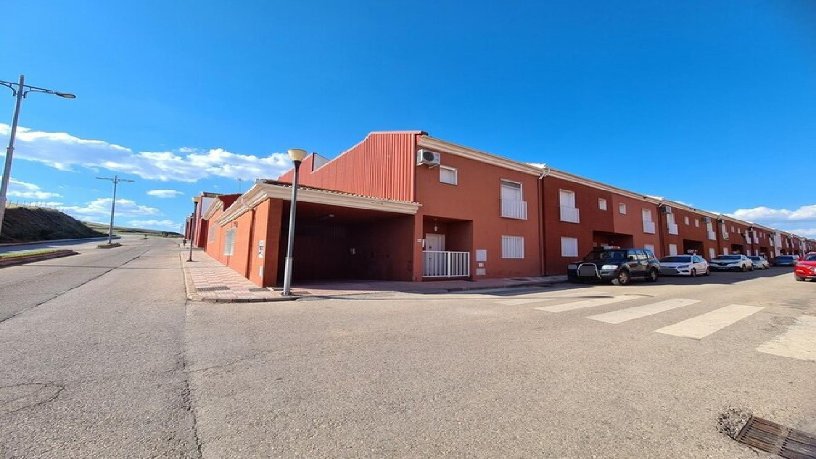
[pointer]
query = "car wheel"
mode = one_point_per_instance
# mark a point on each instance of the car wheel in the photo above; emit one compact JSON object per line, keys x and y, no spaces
{"x":744,"y":268}
{"x":622,"y":278}
{"x":799,"y":278}
{"x":707,"y":272}
{"x":693,"y":272}
{"x":751,"y":268}
{"x":652,"y":277}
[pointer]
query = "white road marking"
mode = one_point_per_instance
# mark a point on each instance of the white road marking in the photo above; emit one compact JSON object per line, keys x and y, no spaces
{"x":548,"y":297}
{"x":799,"y":342}
{"x":636,"y":312}
{"x":591,"y":303}
{"x":703,"y":325}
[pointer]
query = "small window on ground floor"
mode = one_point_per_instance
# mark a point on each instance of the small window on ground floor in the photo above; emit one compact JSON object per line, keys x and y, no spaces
{"x":672,"y":249}
{"x":512,"y":247}
{"x":712,"y":253}
{"x":649,"y":247}
{"x":569,"y":247}
{"x":229,"y":242}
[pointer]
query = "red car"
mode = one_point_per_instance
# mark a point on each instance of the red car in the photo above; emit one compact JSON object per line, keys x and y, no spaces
{"x":805,"y":268}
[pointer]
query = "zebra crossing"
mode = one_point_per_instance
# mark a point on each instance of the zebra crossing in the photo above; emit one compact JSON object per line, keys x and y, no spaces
{"x":798,"y":341}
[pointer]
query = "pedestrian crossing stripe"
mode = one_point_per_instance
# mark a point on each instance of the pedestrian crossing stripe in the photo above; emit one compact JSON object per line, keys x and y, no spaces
{"x":799,"y":342}
{"x":591,"y":303}
{"x":636,"y":312}
{"x":703,"y":325}
{"x":550,"y":297}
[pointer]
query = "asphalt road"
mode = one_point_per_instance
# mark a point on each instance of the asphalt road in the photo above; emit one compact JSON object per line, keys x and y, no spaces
{"x":110,"y":361}
{"x":92,"y":361}
{"x":490,"y":375}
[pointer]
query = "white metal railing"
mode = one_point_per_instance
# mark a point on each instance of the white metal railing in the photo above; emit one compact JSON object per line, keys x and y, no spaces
{"x":514,"y":208}
{"x":446,"y":264}
{"x":712,"y":236}
{"x":673,"y":228}
{"x":648,"y":227}
{"x":570,"y":214}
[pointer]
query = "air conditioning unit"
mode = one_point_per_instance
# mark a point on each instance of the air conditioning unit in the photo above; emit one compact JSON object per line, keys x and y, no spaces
{"x":427,"y":157}
{"x":666,"y":209}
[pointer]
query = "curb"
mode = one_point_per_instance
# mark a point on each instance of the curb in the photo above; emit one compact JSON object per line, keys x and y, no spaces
{"x":33,"y":258}
{"x":193,"y":295}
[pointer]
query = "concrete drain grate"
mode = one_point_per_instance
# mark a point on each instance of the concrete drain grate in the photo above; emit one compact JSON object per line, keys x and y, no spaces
{"x":213,"y":289}
{"x":777,"y":439}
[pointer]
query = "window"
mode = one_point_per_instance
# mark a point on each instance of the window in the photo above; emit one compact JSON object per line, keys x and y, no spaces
{"x":512,"y":204}
{"x":512,"y":247}
{"x":229,"y":242}
{"x":649,"y":248}
{"x":696,"y":222}
{"x":210,"y":235}
{"x":712,"y":253}
{"x":672,"y":249}
{"x":686,"y":220}
{"x":622,"y":208}
{"x":569,"y":213}
{"x":602,"y":203}
{"x":648,"y":224}
{"x":569,"y":247}
{"x":447,"y":175}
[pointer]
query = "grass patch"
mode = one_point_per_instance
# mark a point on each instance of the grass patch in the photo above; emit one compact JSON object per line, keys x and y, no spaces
{"x":26,"y":253}
{"x":109,"y":246}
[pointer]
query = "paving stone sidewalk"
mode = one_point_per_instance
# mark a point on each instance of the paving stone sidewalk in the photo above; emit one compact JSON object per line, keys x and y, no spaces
{"x":208,"y":280}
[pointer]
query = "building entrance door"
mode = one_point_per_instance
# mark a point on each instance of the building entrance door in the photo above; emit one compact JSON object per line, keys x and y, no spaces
{"x":434,"y":242}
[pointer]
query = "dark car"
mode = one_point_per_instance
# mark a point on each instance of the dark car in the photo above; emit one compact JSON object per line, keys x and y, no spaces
{"x":786,"y":260}
{"x":615,"y":265}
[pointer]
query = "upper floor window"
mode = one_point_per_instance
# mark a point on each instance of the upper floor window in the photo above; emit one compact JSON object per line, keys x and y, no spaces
{"x":569,"y":213}
{"x":686,"y":220}
{"x":448,"y":175}
{"x":512,"y":202}
{"x":622,"y":208}
{"x":602,"y":203}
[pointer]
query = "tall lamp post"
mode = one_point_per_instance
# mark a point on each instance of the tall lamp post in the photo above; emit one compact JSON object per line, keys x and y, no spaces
{"x":115,"y":181}
{"x":297,"y":156}
{"x":20,"y":91}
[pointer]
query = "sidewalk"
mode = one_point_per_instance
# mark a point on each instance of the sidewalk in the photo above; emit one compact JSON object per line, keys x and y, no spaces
{"x":208,"y":280}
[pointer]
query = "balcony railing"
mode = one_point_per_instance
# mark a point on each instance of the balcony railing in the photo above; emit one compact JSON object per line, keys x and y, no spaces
{"x":513,"y":208}
{"x":446,"y":264}
{"x":673,"y":228}
{"x":712,"y":236}
{"x":570,"y":214}
{"x":648,"y":227}
{"x":725,"y":236}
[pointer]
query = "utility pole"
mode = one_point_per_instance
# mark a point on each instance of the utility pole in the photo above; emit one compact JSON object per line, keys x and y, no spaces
{"x":20,"y":91}
{"x":115,"y":181}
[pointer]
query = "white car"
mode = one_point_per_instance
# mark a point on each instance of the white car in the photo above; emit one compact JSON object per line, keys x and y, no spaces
{"x":684,"y":265}
{"x":760,"y":262}
{"x":731,"y":263}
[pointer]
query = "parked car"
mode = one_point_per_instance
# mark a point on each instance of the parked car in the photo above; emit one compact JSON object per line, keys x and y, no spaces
{"x":615,"y":265}
{"x":731,"y":263}
{"x":806,"y":268}
{"x":786,"y":260}
{"x":760,"y":262}
{"x":684,"y":265}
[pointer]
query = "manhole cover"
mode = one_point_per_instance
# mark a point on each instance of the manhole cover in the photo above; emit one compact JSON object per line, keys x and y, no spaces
{"x":212,"y":289}
{"x":774,"y":438}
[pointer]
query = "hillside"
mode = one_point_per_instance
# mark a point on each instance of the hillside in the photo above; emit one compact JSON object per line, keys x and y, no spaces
{"x":121,"y":230}
{"x":26,"y":224}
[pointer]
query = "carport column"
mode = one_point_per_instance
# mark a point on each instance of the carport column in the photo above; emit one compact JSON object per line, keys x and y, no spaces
{"x":297,"y":156}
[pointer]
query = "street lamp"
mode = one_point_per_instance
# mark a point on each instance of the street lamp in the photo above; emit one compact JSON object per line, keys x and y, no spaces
{"x":20,"y":91}
{"x":115,"y":181}
{"x":297,"y":156}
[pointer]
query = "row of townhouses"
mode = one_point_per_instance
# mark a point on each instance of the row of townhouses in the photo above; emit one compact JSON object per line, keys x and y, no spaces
{"x":410,"y":207}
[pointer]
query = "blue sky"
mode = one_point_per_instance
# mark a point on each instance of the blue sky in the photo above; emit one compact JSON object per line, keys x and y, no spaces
{"x":684,"y":100}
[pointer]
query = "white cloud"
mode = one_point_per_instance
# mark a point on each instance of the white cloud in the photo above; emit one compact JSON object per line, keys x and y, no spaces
{"x":538,"y":165}
{"x":767,"y":214}
{"x":25,"y":190}
{"x":804,"y":232}
{"x":101,"y":207}
{"x":155,"y":224}
{"x":164,"y":193}
{"x":64,"y":152}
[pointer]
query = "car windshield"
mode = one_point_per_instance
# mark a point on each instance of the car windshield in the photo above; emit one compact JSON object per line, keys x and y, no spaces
{"x":606,"y":255}
{"x":755,"y":258}
{"x":729,"y":257}
{"x":811,"y":257}
{"x":784,"y":257}
{"x":675,"y":259}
